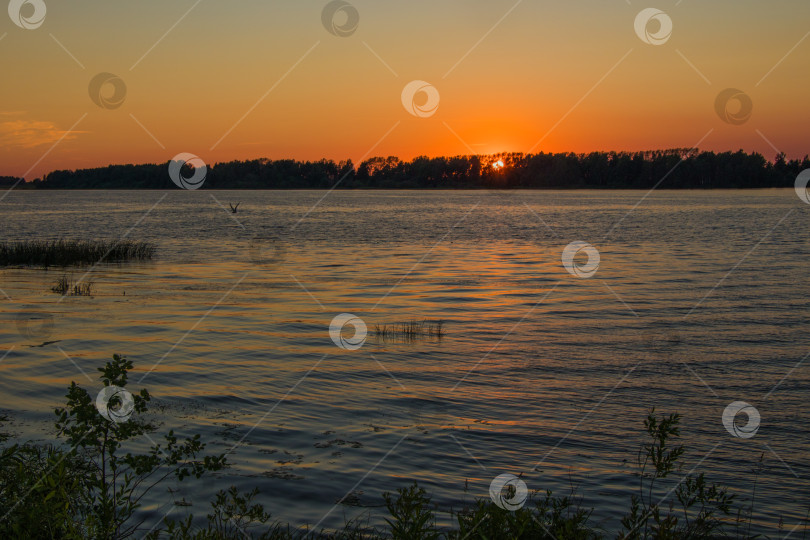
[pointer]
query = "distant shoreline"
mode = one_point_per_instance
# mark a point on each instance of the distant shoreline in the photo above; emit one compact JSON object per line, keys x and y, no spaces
{"x":678,"y":168}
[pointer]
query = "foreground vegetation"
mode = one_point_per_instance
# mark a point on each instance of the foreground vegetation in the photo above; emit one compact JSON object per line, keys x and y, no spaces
{"x":678,"y":168}
{"x":92,"y":485}
{"x":47,"y":253}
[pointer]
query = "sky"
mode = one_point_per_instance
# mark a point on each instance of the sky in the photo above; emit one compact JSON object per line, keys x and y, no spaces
{"x":246,"y":79}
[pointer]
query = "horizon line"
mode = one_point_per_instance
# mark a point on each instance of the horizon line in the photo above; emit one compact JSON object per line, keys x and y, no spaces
{"x":421,"y":156}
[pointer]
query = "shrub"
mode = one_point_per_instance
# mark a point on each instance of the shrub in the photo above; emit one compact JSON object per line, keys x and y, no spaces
{"x":701,"y":503}
{"x":550,"y":518}
{"x":93,"y":489}
{"x":411,"y":515}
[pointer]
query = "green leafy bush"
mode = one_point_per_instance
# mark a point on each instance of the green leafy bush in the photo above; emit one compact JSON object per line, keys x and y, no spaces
{"x":701,"y":504}
{"x":92,"y":489}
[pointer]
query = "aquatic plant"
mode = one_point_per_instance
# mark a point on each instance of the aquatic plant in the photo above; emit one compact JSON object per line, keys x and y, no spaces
{"x":67,"y":287}
{"x":409,"y":331}
{"x":47,"y":253}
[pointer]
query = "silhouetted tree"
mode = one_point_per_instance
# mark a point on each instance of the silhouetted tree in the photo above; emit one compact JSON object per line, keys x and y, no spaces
{"x":678,"y":168}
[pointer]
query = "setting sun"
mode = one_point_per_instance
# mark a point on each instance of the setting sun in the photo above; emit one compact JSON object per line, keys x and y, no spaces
{"x":498,"y":165}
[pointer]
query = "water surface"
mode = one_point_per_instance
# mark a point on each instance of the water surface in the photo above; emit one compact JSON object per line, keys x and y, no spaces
{"x":701,"y":299}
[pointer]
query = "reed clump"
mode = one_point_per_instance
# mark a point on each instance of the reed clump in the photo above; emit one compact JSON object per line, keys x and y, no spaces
{"x":67,"y":287}
{"x":410,"y":331}
{"x":47,"y":253}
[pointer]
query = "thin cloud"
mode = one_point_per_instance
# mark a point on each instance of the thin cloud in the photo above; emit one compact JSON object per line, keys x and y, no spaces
{"x":30,"y":133}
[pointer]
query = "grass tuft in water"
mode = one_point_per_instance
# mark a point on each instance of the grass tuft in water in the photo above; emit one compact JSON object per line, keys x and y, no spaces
{"x":47,"y":253}
{"x":67,"y":287}
{"x":410,"y":331}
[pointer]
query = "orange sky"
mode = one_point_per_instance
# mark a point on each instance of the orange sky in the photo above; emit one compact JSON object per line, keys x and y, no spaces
{"x":249,"y":79}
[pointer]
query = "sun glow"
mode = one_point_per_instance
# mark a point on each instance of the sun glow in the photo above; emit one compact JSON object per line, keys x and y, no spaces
{"x":498,"y":165}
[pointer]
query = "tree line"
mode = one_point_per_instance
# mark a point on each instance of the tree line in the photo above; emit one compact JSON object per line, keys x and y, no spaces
{"x":679,"y":168}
